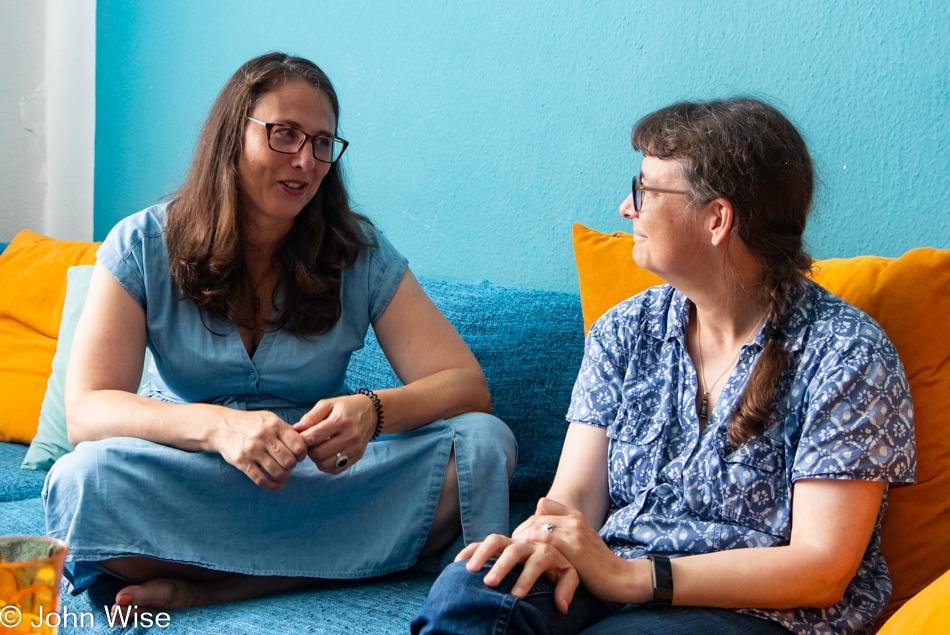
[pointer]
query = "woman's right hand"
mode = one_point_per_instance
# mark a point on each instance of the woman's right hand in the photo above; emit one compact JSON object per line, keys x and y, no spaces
{"x":536,"y":558}
{"x":260,"y":444}
{"x":604,"y":573}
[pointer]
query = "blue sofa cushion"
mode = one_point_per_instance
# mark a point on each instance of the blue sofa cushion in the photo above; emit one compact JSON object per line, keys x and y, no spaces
{"x":22,"y":518}
{"x":17,"y":484}
{"x":529,"y":343}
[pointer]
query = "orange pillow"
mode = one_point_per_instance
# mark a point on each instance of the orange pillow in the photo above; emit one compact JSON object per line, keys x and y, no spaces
{"x":926,"y":613}
{"x":32,"y":292}
{"x":910,"y":298}
{"x":608,"y":275}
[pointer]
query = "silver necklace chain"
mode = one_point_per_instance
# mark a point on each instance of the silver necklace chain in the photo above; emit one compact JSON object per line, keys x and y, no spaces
{"x":703,"y":410}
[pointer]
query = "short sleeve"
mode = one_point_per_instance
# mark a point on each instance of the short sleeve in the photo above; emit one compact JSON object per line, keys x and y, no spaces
{"x":386,"y":268}
{"x":859,"y":418}
{"x":598,"y":390}
{"x":123,"y":251}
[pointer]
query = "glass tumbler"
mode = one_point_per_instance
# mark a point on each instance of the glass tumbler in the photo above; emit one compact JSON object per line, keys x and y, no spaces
{"x":31,"y":568}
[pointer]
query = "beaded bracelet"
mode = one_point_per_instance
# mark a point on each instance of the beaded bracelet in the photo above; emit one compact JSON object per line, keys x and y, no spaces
{"x":379,"y":411}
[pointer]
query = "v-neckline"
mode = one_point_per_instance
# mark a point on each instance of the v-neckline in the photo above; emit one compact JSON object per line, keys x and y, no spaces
{"x":262,"y":346}
{"x":265,"y":338}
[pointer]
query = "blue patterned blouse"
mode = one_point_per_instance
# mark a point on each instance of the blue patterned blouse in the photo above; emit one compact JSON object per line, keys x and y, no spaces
{"x":842,"y":410}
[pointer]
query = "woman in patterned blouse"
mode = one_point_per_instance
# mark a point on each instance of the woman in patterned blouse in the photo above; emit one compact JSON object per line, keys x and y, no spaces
{"x":732,"y":432}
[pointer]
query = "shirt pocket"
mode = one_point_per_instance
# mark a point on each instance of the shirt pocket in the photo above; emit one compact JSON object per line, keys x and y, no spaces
{"x":635,"y":440}
{"x":755,"y":487}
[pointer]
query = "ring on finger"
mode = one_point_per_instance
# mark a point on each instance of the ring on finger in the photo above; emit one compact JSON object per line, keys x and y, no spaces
{"x":548,"y":528}
{"x":341,"y":459}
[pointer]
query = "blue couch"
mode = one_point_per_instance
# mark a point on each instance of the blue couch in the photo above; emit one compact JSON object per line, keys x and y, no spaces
{"x":529,"y":342}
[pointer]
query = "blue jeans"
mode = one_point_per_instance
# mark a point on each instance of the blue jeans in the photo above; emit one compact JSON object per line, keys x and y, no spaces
{"x":460,"y":603}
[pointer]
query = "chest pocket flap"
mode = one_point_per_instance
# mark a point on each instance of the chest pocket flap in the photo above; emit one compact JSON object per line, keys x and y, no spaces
{"x":631,"y":426}
{"x":759,"y":452}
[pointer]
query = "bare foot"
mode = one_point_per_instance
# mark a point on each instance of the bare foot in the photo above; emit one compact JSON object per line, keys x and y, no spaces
{"x":170,"y":594}
{"x":164,"y":593}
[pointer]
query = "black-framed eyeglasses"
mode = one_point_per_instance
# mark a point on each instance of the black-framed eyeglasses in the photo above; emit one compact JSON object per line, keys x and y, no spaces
{"x":288,"y":140}
{"x":639,"y":188}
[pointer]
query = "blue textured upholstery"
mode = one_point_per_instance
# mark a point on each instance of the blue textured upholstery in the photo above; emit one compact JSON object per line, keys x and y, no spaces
{"x":529,"y":342}
{"x":22,"y":517}
{"x":17,"y":484}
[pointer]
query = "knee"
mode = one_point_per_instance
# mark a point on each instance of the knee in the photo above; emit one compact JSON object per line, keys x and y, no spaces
{"x":456,"y":592}
{"x":457,"y":576}
{"x":71,"y":472}
{"x":67,"y":480}
{"x":488,"y":435}
{"x":73,"y":466}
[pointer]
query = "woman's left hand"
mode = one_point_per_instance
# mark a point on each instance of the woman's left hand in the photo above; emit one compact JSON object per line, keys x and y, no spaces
{"x":338,"y":428}
{"x":603,"y":573}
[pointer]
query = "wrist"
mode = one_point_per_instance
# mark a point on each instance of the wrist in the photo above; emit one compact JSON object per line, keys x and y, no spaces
{"x":630,"y":582}
{"x":639,"y":587}
{"x":662,"y":578}
{"x":211,"y":433}
{"x":376,"y":411}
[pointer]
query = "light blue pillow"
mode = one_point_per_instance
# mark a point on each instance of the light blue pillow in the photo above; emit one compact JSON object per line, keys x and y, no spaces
{"x":50,"y":441}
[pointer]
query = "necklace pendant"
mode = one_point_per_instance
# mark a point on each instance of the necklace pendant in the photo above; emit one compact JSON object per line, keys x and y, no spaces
{"x":704,"y":406}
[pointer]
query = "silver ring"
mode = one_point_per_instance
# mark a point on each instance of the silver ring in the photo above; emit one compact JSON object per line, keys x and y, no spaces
{"x":548,"y":528}
{"x":341,"y":459}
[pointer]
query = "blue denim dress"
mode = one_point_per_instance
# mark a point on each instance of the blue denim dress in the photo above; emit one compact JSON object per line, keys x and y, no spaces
{"x":125,"y":496}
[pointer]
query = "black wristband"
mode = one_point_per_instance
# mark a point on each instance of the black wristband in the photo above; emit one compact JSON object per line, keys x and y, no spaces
{"x":662,"y":581}
{"x":379,"y":411}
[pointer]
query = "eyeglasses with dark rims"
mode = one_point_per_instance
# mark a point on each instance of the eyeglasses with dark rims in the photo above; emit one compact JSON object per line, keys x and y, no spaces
{"x":288,"y":140}
{"x":639,"y":188}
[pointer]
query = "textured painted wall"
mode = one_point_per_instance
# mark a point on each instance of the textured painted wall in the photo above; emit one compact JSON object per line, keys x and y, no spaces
{"x":481,"y":131}
{"x":47,"y":117}
{"x":22,"y":120}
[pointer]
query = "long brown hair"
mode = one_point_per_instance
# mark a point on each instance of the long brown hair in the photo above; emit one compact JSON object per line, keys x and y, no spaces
{"x":206,"y":234}
{"x":747,"y":152}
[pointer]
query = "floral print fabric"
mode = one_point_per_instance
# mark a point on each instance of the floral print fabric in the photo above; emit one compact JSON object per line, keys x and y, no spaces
{"x":842,"y":409}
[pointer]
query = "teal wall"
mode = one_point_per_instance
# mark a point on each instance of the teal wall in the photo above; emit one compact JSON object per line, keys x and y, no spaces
{"x":480,"y":131}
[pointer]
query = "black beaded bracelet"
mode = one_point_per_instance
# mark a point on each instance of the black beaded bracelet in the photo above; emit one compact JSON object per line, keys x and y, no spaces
{"x":379,"y":411}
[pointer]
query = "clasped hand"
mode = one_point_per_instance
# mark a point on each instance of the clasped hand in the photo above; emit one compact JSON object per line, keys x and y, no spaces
{"x":335,"y":428}
{"x":561,"y":544}
{"x":260,"y":444}
{"x":267,"y":449}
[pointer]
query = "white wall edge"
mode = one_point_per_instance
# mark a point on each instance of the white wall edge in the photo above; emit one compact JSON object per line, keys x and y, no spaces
{"x":70,"y":49}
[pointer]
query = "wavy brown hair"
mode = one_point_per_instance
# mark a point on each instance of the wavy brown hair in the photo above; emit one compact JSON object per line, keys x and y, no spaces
{"x":747,"y":152}
{"x":206,"y":231}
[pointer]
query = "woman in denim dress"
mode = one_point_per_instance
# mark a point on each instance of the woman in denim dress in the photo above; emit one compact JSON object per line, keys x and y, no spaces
{"x":246,"y":466}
